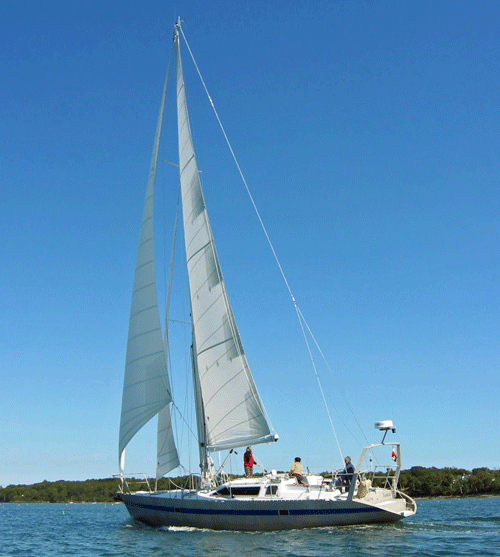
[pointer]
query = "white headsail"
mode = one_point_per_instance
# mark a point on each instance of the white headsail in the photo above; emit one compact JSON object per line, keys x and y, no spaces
{"x":146,"y":388}
{"x":233,"y":413}
{"x":167,"y":457}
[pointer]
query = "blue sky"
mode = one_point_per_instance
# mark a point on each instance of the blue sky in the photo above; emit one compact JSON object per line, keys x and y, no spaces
{"x":368,"y":134}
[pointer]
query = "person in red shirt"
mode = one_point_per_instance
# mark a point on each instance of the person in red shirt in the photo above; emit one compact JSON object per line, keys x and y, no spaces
{"x":248,"y":462}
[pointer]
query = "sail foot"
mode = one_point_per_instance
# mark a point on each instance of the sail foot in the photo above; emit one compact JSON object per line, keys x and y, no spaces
{"x":244,"y":442}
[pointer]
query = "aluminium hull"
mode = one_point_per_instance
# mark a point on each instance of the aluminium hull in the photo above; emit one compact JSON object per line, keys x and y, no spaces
{"x":258,"y":514}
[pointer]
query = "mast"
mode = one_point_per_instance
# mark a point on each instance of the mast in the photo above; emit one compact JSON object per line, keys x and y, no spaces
{"x":200,"y":421}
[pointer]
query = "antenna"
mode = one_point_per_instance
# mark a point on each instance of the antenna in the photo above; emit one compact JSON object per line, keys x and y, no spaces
{"x":385,"y":426}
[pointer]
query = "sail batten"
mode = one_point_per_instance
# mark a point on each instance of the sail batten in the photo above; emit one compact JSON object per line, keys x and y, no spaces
{"x":200,"y":352}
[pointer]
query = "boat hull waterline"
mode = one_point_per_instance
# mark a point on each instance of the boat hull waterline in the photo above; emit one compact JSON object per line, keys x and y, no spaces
{"x":256,"y":515}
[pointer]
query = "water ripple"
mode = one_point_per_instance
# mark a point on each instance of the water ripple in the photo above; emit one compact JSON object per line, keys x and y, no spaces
{"x":440,"y":528}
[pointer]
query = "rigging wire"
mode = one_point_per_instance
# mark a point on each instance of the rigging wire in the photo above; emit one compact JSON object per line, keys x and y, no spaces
{"x":330,"y":369}
{"x":303,"y":323}
{"x":239,"y":168}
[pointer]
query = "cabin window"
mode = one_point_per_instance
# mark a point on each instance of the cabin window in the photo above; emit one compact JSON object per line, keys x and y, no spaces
{"x":271,"y":490}
{"x":236,"y":491}
{"x":283,"y":513}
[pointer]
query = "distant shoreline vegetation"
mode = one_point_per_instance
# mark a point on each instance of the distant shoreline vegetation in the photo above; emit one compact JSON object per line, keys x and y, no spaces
{"x":418,"y":482}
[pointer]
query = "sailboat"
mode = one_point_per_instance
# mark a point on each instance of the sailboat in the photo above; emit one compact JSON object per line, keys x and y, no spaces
{"x":229,"y":411}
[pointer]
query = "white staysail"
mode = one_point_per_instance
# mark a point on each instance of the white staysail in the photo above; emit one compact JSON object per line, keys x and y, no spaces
{"x":232,"y":411}
{"x":146,"y":388}
{"x":167,"y":457}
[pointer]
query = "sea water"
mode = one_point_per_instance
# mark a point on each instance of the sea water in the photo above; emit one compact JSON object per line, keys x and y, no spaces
{"x":440,"y":528}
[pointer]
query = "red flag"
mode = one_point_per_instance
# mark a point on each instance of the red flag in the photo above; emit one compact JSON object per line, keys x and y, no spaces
{"x":394,"y":455}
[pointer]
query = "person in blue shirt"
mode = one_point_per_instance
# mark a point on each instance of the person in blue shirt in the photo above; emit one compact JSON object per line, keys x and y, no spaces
{"x":345,"y":477}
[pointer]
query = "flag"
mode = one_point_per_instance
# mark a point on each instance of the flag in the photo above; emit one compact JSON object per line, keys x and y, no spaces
{"x":394,"y":455}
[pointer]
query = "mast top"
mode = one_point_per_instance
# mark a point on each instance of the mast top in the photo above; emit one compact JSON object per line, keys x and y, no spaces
{"x":177,"y":28}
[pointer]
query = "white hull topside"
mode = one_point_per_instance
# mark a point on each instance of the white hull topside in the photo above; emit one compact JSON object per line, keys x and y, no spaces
{"x":298,"y":508}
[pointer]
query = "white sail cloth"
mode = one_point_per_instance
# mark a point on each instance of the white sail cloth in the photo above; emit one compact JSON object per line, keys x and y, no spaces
{"x":146,"y":388}
{"x":229,"y":411}
{"x":232,"y":411}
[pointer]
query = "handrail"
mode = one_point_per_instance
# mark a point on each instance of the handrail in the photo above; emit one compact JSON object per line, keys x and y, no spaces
{"x":124,"y":483}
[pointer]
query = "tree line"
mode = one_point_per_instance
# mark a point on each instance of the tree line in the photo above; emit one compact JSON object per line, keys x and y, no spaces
{"x":88,"y":491}
{"x":416,"y":482}
{"x":449,"y":482}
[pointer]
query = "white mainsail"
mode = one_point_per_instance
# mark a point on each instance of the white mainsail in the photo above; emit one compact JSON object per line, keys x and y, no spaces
{"x":146,"y":388}
{"x":232,"y":411}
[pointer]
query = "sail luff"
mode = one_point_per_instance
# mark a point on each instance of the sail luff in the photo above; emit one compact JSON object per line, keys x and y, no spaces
{"x":233,"y":412}
{"x":146,"y":388}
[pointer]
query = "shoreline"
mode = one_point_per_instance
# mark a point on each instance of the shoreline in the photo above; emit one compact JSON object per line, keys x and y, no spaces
{"x":478,"y":496}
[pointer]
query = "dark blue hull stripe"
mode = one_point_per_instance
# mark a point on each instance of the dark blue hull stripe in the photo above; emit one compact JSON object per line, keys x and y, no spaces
{"x":248,"y":512}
